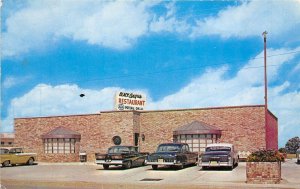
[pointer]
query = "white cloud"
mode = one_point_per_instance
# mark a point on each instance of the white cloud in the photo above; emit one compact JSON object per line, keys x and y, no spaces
{"x":12,"y":81}
{"x":169,"y":22}
{"x":119,"y":24}
{"x":47,"y":100}
{"x":251,"y":19}
{"x":113,"y":24}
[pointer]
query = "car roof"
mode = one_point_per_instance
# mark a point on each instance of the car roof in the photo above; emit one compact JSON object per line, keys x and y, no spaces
{"x":9,"y":148}
{"x":220,"y":144}
{"x":124,"y":146}
{"x":175,"y":144}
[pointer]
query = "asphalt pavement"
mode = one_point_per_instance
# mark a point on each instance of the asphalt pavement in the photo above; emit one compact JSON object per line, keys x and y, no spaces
{"x":90,"y":175}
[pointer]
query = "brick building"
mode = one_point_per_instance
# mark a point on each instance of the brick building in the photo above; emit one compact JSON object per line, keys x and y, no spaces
{"x":7,"y":139}
{"x":61,"y":138}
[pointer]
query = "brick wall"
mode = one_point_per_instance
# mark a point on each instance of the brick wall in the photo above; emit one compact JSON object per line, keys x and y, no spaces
{"x":272,"y":132}
{"x":243,"y":126}
{"x":96,"y":132}
{"x":263,"y":172}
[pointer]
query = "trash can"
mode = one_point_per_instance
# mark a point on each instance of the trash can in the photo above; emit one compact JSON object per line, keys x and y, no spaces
{"x":82,"y":156}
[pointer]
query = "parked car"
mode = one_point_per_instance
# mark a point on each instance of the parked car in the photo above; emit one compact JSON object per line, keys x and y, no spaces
{"x":219,"y":155}
{"x":298,"y":156}
{"x":14,"y":155}
{"x":172,"y":154}
{"x":126,"y":156}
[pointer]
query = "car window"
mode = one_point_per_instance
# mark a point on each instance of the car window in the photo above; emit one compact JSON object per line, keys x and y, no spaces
{"x":12,"y":151}
{"x":18,"y":150}
{"x":4,"y":151}
{"x":168,"y":148}
{"x":119,"y":149}
{"x":218,"y":148}
{"x":187,"y":148}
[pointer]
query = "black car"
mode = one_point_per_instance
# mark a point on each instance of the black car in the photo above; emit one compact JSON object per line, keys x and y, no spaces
{"x":219,"y":155}
{"x":172,"y":154}
{"x":126,"y":156}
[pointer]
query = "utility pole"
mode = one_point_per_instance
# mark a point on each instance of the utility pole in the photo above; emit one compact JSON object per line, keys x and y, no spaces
{"x":266,"y":83}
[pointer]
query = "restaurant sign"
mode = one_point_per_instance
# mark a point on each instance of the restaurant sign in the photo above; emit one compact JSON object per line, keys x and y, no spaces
{"x":130,"y":101}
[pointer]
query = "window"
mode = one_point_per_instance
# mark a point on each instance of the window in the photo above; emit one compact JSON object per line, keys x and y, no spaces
{"x":197,"y":142}
{"x":59,"y":146}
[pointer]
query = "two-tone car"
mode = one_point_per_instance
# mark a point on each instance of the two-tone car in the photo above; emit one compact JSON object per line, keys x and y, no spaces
{"x":125,"y":156}
{"x":219,"y":155}
{"x":172,"y":154}
{"x":15,"y":155}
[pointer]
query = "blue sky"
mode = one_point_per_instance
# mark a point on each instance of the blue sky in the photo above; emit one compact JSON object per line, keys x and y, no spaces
{"x":180,"y":54}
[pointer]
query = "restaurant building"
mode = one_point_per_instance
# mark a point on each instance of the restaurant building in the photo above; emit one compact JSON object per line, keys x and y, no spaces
{"x":62,"y":138}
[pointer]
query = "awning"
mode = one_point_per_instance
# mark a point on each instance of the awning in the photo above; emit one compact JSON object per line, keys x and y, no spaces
{"x":61,"y":132}
{"x":197,"y":127}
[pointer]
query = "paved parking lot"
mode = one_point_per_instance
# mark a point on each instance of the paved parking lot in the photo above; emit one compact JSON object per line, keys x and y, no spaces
{"x":89,"y":175}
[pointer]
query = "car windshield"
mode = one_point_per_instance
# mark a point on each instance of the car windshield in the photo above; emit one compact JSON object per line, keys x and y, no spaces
{"x":168,"y":148}
{"x":119,"y":149}
{"x":217,"y":148}
{"x":4,"y":151}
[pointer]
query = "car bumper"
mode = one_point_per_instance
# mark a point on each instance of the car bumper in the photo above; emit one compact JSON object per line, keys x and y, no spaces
{"x":218,"y":164}
{"x":112,"y":162}
{"x":162,"y":163}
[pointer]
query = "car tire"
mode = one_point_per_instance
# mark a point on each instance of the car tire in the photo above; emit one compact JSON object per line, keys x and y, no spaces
{"x":5,"y":164}
{"x":105,"y":166}
{"x":154,"y":167}
{"x":30,"y":161}
{"x":128,"y":165}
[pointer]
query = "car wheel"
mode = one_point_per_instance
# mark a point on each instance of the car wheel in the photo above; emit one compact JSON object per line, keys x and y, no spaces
{"x":30,"y":161}
{"x":105,"y":166}
{"x":128,"y":165}
{"x":154,"y":167}
{"x":5,"y":164}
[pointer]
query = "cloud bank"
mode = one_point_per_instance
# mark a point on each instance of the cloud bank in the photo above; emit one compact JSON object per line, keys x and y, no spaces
{"x":120,"y":24}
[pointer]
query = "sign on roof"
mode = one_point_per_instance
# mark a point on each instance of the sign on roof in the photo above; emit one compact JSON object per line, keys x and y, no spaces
{"x":130,"y":101}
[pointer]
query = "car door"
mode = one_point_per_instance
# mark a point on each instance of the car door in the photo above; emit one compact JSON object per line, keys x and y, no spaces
{"x":188,"y":154}
{"x":4,"y":154}
{"x":21,"y":157}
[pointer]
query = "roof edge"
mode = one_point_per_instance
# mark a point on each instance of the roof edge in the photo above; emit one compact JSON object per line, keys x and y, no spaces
{"x":145,"y":111}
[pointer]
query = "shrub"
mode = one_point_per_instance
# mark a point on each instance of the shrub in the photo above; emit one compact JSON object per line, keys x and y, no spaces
{"x":265,"y":156}
{"x":282,"y":150}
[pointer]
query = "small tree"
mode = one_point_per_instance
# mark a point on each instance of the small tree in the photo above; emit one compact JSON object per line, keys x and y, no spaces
{"x":292,"y":145}
{"x":282,"y":150}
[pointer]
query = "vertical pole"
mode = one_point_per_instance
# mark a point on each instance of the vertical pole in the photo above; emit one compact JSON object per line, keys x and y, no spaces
{"x":266,"y":83}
